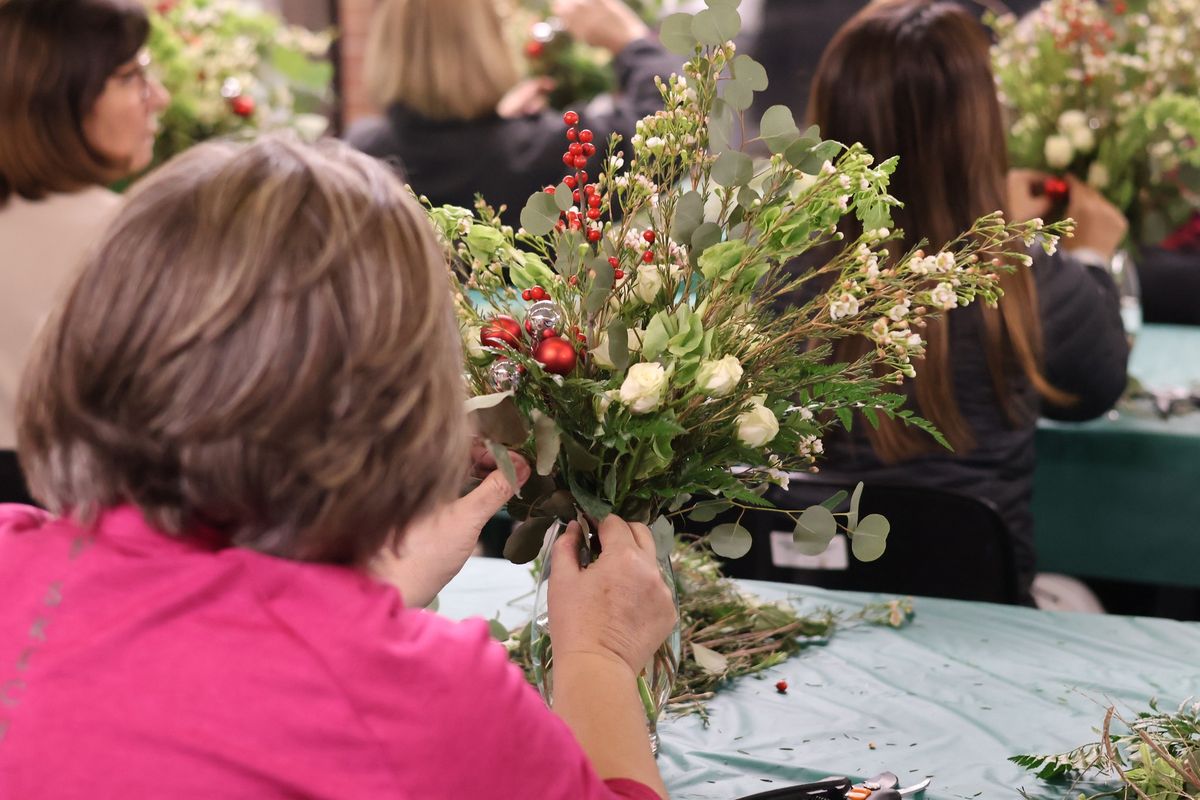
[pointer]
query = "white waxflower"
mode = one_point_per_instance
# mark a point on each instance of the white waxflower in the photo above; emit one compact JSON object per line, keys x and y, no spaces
{"x":1098,"y":175}
{"x":718,"y":378}
{"x":900,"y":310}
{"x":944,"y":262}
{"x":757,"y":426}
{"x":655,"y":144}
{"x":844,"y":306}
{"x":810,"y":446}
{"x":643,"y":388}
{"x":1059,"y":152}
{"x":943,"y":297}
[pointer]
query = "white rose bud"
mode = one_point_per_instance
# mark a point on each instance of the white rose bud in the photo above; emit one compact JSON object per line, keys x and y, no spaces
{"x":1098,"y":175}
{"x":718,"y":378}
{"x":649,"y":282}
{"x":1083,"y":139}
{"x":1072,"y":120}
{"x":1059,"y":152}
{"x":757,"y":426}
{"x":643,"y":388}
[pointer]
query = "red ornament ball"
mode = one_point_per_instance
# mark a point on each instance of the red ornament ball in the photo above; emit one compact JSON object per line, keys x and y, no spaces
{"x":571,"y":118}
{"x":585,"y":136}
{"x":242,"y":105}
{"x":501,"y":331}
{"x":781,"y":687}
{"x":556,"y":355}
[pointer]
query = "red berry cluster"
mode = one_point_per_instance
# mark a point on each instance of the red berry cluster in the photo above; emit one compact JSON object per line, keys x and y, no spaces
{"x":584,"y":195}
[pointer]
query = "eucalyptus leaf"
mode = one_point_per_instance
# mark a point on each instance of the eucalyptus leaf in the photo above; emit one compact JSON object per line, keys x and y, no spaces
{"x":733,"y":169}
{"x":750,"y":72}
{"x":706,"y":236}
{"x":540,"y":214}
{"x":534,"y":494}
{"x":664,"y":537}
{"x":852,"y":520}
{"x":836,"y":500}
{"x":720,"y":127}
{"x":560,"y":504}
{"x":717,"y":25}
{"x":825,"y":151}
{"x":564,"y":197}
{"x":708,"y":510}
{"x":602,"y":277}
{"x":525,"y":542}
{"x":618,"y":344}
{"x":814,"y":530}
{"x":730,"y":540}
{"x":689,"y":213}
{"x":498,"y":631}
{"x":709,"y":660}
{"x":485,"y":401}
{"x":501,"y":423}
{"x":738,"y":95}
{"x":546,"y":441}
{"x":504,"y":463}
{"x":676,"y":35}
{"x":578,"y":457}
{"x":746,"y":198}
{"x":869,"y":539}
{"x":778,"y":128}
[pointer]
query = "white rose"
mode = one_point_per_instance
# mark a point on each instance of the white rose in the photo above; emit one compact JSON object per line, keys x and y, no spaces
{"x":643,"y":388}
{"x":1059,"y":152}
{"x":717,"y":378}
{"x":649,"y":282}
{"x":1072,"y":120}
{"x":471,"y":340}
{"x":757,"y":426}
{"x":1083,"y":140}
{"x":600,"y":352}
{"x":1098,"y":175}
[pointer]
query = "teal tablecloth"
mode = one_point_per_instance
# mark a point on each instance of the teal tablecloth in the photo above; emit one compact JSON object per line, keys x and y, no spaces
{"x":952,"y":695}
{"x":1119,"y":497}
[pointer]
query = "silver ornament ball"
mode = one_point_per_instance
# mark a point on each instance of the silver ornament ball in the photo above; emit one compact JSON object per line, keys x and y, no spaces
{"x":505,"y":375}
{"x":544,"y":315}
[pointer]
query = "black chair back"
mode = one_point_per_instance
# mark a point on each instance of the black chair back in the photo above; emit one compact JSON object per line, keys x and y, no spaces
{"x":941,"y":544}
{"x":12,"y":480}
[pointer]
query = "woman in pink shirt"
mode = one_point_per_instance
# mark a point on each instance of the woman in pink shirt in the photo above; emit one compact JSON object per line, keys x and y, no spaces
{"x":247,"y":419}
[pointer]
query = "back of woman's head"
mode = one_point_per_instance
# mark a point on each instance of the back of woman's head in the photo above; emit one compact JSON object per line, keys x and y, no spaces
{"x":55,"y":59}
{"x":447,"y":60}
{"x":262,"y":345}
{"x":912,"y":78}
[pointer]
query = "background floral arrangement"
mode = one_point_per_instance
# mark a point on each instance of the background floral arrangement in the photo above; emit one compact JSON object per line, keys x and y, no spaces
{"x":1110,"y":93}
{"x":232,"y":69}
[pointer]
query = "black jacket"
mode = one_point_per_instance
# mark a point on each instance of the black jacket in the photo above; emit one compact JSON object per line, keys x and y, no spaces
{"x":1085,"y":353}
{"x":1170,"y":286}
{"x":507,"y":160}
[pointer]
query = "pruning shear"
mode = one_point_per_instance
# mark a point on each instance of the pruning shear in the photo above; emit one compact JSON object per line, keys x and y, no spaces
{"x":884,"y":786}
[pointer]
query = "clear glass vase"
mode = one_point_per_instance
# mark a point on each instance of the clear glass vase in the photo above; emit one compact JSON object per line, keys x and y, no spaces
{"x":656,"y":679}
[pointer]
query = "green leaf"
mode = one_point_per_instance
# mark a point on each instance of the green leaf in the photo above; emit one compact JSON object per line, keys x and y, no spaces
{"x":601,"y":285}
{"x":852,"y":520}
{"x":730,"y":540}
{"x":720,"y":260}
{"x":618,"y":344}
{"x":715,"y":26}
{"x":504,"y":462}
{"x":709,"y":660}
{"x":778,"y":128}
{"x":498,"y":631}
{"x":836,"y":500}
{"x":689,"y":213}
{"x":750,"y":72}
{"x":564,"y":197}
{"x":869,"y":538}
{"x":533,"y":496}
{"x":738,"y":95}
{"x":501,"y":423}
{"x":814,"y":530}
{"x":540,"y":214}
{"x":591,"y":505}
{"x":708,"y":510}
{"x":546,"y":441}
{"x":706,"y":236}
{"x":676,"y":35}
{"x":664,"y":537}
{"x":720,"y":127}
{"x":733,"y":169}
{"x":525,"y":542}
{"x":797,"y":152}
{"x":485,"y":401}
{"x":846,"y":416}
{"x":812,"y":163}
{"x":578,"y":457}
{"x":746,"y":199}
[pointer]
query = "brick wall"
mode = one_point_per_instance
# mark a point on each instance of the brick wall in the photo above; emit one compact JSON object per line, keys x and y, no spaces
{"x":353,"y":23}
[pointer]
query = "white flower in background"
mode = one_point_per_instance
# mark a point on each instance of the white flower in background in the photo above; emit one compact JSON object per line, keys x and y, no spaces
{"x":600,"y":352}
{"x":757,"y":425}
{"x":914,"y":341}
{"x":827,"y":168}
{"x":1072,"y":120}
{"x":643,"y":388}
{"x":943,"y":262}
{"x":718,"y":378}
{"x":776,"y":472}
{"x":473,"y":344}
{"x":655,"y":144}
{"x":649,"y":281}
{"x":943,"y":297}
{"x":880,"y":331}
{"x":810,"y":446}
{"x":1059,"y":152}
{"x":899,"y":311}
{"x":603,"y":401}
{"x":1098,"y":175}
{"x":1082,"y":139}
{"x":844,"y":306}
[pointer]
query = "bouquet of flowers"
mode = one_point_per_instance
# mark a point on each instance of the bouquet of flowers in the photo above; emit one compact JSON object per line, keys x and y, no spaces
{"x":1110,"y":93}
{"x":231,"y":69}
{"x":624,"y":337}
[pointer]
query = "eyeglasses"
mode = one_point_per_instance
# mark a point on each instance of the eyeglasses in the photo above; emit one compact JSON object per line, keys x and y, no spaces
{"x":140,"y":72}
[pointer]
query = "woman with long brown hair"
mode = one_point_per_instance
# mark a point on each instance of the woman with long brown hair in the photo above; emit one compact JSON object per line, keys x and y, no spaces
{"x":912,"y":78}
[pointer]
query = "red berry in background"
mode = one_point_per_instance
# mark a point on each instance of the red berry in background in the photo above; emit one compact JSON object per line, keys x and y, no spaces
{"x":501,"y":331}
{"x":533,"y":49}
{"x":618,"y":274}
{"x":594,"y":201}
{"x":527,"y":295}
{"x":571,"y":135}
{"x":589,"y":190}
{"x":781,"y":687}
{"x":589,"y":150}
{"x":568,"y":159}
{"x":242,"y":105}
{"x":549,"y":190}
{"x":612,"y":260}
{"x":556,"y":355}
{"x":648,"y":256}
{"x":580,"y":162}
{"x":573,"y":280}
{"x":571,"y":118}
{"x":1056,"y":189}
{"x":585,"y":135}
{"x":575,"y":196}
{"x":575,"y":148}
{"x":570,"y":182}
{"x":582,"y":177}
{"x":649,"y":236}
{"x":593,"y":236}
{"x":593,"y":214}
{"x":164,"y":6}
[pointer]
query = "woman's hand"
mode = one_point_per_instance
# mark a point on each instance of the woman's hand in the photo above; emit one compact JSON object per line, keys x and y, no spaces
{"x":617,"y":608}
{"x":1026,"y":199}
{"x":1099,"y":225}
{"x":527,"y":97}
{"x":434,"y":548}
{"x":609,"y":24}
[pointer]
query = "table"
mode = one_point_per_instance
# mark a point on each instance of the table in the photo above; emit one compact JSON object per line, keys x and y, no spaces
{"x":952,"y":695}
{"x":1119,"y":497}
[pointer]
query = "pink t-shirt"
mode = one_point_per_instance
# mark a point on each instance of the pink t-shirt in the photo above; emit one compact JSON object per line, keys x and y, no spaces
{"x":136,"y":665}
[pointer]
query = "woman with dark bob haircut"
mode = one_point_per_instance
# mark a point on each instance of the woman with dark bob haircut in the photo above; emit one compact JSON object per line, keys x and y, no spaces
{"x":912,"y":78}
{"x":77,"y":112}
{"x":247,"y":419}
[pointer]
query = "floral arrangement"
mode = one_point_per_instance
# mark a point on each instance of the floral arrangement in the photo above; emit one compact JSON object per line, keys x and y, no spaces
{"x":624,"y":336}
{"x":580,"y":72}
{"x":234,"y":69}
{"x":1111,"y":94}
{"x":1155,"y":757}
